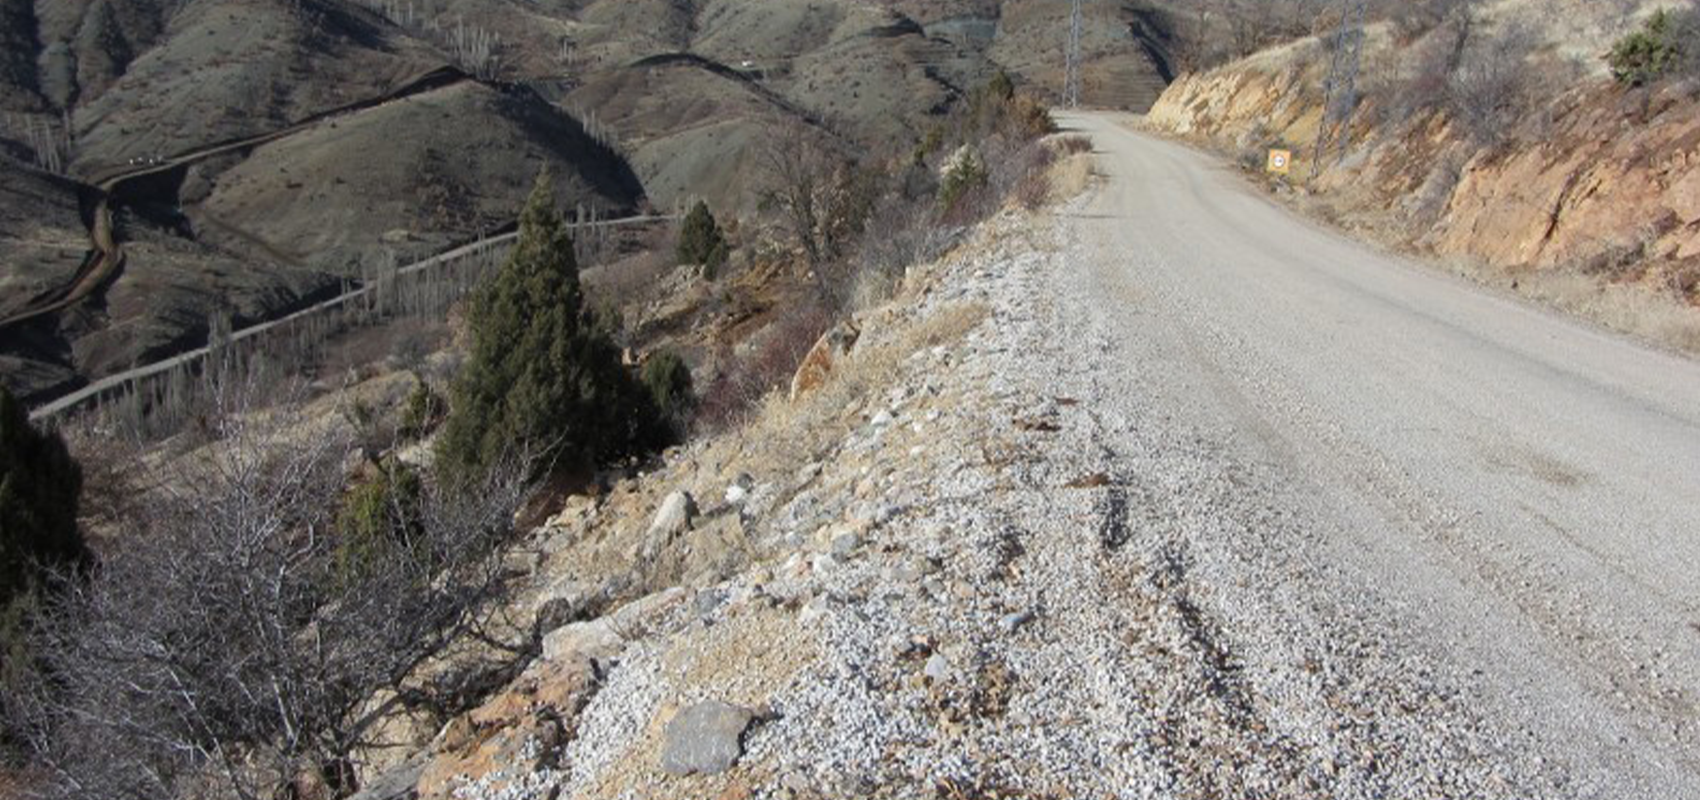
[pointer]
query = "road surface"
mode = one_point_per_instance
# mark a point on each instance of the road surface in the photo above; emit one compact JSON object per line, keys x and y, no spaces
{"x":1517,"y":491}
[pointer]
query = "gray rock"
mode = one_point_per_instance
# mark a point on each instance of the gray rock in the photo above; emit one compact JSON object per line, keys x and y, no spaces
{"x":881,"y":419}
{"x":740,"y":489}
{"x":937,"y":668}
{"x":1012,"y":621}
{"x":705,"y":738}
{"x":709,"y":601}
{"x":845,"y":544}
{"x":675,"y":516}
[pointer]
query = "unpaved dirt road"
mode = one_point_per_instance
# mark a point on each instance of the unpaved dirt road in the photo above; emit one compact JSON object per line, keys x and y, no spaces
{"x":1518,"y":492}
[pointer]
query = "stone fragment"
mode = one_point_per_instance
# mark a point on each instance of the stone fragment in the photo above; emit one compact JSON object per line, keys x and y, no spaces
{"x":845,"y":544}
{"x":675,"y":516}
{"x":937,"y":668}
{"x":705,"y":738}
{"x":1012,"y":621}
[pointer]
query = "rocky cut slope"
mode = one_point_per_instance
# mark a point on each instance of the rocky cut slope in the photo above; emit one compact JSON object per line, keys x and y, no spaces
{"x":1526,"y":165}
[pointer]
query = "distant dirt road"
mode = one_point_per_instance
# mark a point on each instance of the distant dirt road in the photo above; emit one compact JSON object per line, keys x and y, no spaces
{"x":1519,"y":491}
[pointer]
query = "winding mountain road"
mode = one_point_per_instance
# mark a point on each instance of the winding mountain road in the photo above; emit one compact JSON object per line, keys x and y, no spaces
{"x":1519,"y":491}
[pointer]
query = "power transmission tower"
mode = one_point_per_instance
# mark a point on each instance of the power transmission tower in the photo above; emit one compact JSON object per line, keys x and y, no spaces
{"x":1340,"y":93}
{"x":1071,"y":70}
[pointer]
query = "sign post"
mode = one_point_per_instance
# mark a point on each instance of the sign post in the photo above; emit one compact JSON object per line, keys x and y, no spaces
{"x":1280,"y":162}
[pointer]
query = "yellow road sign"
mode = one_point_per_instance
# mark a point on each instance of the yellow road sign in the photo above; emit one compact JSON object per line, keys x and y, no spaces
{"x":1280,"y":161}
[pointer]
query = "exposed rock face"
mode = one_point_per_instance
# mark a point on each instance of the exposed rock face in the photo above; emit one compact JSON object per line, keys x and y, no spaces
{"x":705,"y":738}
{"x":823,"y":358}
{"x":1597,"y":181}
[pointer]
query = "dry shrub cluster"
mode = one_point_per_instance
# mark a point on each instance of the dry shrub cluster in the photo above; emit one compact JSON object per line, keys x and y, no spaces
{"x":226,"y":645}
{"x":790,"y":433}
{"x":859,"y":227}
{"x":766,"y":366}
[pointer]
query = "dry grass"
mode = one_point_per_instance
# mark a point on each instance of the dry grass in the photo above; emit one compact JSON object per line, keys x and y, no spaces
{"x":794,"y":433}
{"x":1070,"y":177}
{"x":1635,"y":309}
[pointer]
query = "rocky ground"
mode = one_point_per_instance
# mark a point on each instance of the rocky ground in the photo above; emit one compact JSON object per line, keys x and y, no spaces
{"x":979,"y":562}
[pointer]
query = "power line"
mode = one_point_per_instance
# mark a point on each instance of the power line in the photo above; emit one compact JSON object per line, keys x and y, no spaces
{"x":1340,"y":92}
{"x":1071,"y":67}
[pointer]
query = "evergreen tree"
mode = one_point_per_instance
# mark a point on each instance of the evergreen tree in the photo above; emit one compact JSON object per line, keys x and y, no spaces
{"x":1647,"y":54}
{"x":542,"y":380}
{"x":40,"y":485}
{"x":668,"y":380}
{"x":700,"y":241}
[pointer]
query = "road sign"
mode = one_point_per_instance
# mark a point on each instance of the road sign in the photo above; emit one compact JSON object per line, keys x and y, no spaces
{"x":1280,"y":161}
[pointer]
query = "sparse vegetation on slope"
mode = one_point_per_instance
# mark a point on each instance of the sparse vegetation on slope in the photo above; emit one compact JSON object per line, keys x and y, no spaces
{"x":252,"y":627}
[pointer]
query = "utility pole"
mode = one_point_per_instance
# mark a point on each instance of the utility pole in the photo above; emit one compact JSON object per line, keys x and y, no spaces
{"x":1071,"y":69}
{"x":1340,"y":92}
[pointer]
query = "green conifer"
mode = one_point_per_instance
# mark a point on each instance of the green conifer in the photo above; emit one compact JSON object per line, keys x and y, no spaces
{"x":40,"y":486}
{"x":542,"y":380}
{"x":700,"y":241}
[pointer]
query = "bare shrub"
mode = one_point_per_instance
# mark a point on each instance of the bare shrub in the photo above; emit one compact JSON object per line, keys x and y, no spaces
{"x":900,"y":235}
{"x":822,"y":201}
{"x":1073,"y":145}
{"x":1414,"y":19}
{"x":769,"y":365}
{"x":1494,"y":82}
{"x":223,"y":648}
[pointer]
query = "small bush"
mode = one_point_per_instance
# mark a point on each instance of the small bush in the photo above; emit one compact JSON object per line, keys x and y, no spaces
{"x":1495,"y":81}
{"x":668,"y":380}
{"x":1033,"y":190}
{"x":701,"y":242}
{"x":963,"y":173}
{"x":379,"y":519}
{"x":1074,"y":145}
{"x":769,"y":365}
{"x":1028,"y":118}
{"x":423,"y":411}
{"x":1648,"y":54}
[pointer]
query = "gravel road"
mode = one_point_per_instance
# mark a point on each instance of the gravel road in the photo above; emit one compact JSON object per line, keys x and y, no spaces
{"x":1200,"y":501}
{"x":1514,"y":496}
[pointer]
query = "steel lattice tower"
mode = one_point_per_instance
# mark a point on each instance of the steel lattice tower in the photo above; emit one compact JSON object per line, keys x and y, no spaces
{"x":1071,"y":70}
{"x":1340,"y":92}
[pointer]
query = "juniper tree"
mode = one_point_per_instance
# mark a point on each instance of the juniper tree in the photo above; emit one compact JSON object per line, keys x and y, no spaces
{"x":40,"y":484}
{"x":542,"y":376}
{"x":700,"y":241}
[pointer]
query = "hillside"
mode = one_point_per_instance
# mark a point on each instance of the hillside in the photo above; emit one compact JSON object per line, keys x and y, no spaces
{"x":306,"y":140}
